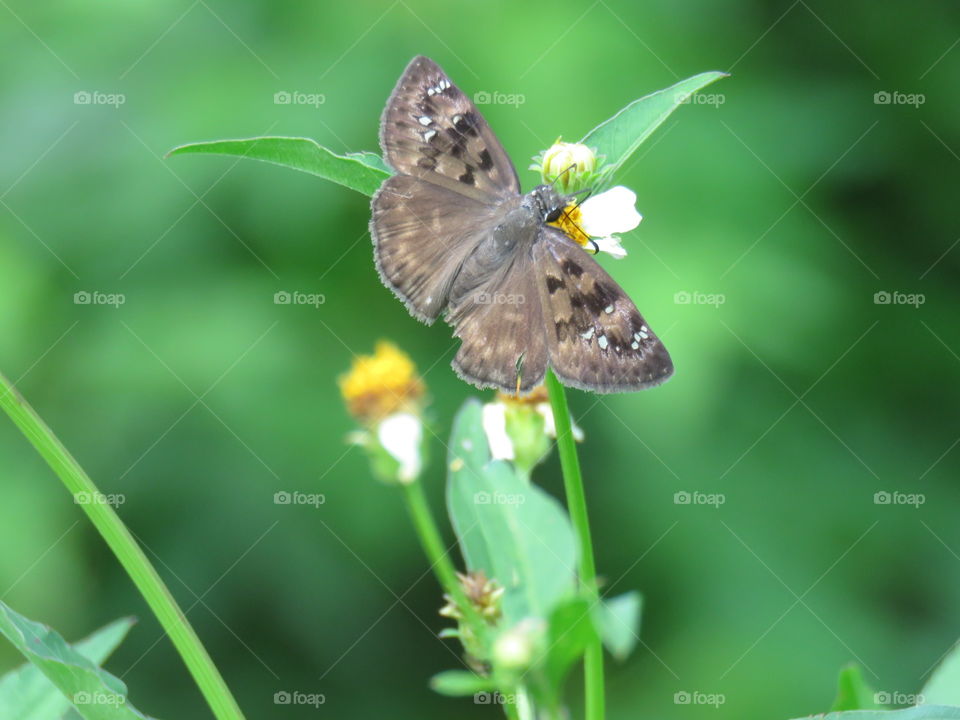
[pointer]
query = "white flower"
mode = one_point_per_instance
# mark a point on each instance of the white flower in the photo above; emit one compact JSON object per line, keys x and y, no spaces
{"x":401,"y":435}
{"x":495,"y":426}
{"x":609,"y":212}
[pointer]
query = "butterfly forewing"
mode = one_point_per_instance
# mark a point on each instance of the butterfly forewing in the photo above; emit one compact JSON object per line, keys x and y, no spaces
{"x":432,"y":131}
{"x":597,"y":338}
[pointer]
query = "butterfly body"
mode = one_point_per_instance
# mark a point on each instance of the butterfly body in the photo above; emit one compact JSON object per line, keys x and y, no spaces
{"x":453,"y":234}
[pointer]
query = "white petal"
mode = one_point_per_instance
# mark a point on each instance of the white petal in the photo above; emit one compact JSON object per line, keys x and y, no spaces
{"x":401,"y":435}
{"x":611,"y":245}
{"x":495,"y":426}
{"x":610,"y":212}
{"x":550,"y":427}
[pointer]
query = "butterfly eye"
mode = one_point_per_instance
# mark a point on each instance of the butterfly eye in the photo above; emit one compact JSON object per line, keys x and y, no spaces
{"x":554,"y":215}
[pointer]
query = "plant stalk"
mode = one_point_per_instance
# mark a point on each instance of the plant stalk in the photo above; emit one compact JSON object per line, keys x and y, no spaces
{"x":126,"y":549}
{"x":577,"y":505}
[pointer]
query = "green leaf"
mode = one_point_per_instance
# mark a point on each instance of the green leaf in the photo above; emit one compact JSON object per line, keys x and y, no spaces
{"x":460,"y":683}
{"x":922,"y":712}
{"x":27,"y":694}
{"x":570,"y":631}
{"x":618,"y":137}
{"x":943,"y":687}
{"x":363,"y":172}
{"x":620,"y":623}
{"x":853,"y":693}
{"x":95,"y":693}
{"x":513,"y":531}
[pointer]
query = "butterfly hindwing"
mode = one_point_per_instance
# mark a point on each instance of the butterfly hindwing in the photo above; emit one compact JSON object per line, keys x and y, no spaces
{"x":431,"y":130}
{"x":596,"y":337}
{"x":501,"y":330}
{"x":421,"y":235}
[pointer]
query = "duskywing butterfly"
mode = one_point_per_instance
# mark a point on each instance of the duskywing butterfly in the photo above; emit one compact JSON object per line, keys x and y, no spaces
{"x":452,"y":233}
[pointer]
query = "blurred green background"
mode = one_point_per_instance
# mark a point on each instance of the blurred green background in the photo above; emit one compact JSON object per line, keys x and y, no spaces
{"x":794,"y":195}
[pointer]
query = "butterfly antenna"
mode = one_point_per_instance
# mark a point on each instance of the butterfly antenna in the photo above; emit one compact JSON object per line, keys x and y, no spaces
{"x":566,"y":215}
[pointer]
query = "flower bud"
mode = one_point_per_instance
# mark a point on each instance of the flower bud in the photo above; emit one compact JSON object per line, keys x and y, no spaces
{"x":568,"y":165}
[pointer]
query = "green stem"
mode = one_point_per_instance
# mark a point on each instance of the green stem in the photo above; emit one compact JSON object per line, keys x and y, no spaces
{"x":577,"y":504}
{"x":429,"y":534}
{"x":123,"y":545}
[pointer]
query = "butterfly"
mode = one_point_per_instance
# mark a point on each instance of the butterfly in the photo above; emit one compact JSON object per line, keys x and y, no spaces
{"x":453,"y":234}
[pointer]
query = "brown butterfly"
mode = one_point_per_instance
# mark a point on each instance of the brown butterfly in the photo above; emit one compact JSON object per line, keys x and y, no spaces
{"x":452,"y":233}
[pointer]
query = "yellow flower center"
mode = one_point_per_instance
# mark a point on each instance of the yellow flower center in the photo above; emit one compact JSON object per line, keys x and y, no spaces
{"x":570,"y":221}
{"x":380,"y":384}
{"x":535,"y":397}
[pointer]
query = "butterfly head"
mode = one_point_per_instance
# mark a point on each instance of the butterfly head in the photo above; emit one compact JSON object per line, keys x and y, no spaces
{"x":547,"y":202}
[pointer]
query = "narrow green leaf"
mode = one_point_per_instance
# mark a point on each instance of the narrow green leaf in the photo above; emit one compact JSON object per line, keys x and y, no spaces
{"x":922,"y":712}
{"x":570,"y":631}
{"x":27,"y":694}
{"x":513,"y":531}
{"x":95,"y":693}
{"x":460,"y":683}
{"x":943,"y":688}
{"x":853,"y":693}
{"x":363,"y":172}
{"x":620,"y":136}
{"x":620,"y":623}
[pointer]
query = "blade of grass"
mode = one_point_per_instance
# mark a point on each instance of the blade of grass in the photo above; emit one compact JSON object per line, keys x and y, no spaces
{"x":126,"y":549}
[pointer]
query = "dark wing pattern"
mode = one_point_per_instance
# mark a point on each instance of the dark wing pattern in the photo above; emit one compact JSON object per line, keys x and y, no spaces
{"x":596,"y":338}
{"x":421,"y":235}
{"x":434,"y":132}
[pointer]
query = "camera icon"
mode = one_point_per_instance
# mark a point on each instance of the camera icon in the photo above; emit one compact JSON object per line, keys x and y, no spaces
{"x":882,"y":98}
{"x":681,"y":498}
{"x":482,"y":298}
{"x":282,"y":698}
{"x":483,"y":698}
{"x":482,"y":97}
{"x":82,"y":97}
{"x":681,"y":298}
{"x":282,"y":98}
{"x":282,"y":498}
{"x":281,"y":297}
{"x":481,"y":498}
{"x":681,"y":698}
{"x":81,"y":298}
{"x":82,"y":498}
{"x":882,"y":498}
{"x":882,"y":698}
{"x":882,"y":298}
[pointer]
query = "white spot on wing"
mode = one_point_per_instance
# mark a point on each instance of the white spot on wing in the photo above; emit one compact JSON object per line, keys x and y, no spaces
{"x":603,"y":342}
{"x":587,"y":335}
{"x":424,"y":120}
{"x":608,"y":309}
{"x":428,"y":135}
